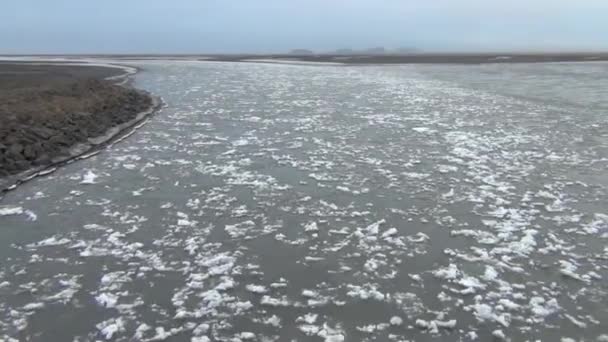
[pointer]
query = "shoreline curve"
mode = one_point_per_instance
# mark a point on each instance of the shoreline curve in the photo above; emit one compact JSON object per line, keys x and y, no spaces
{"x":93,"y":145}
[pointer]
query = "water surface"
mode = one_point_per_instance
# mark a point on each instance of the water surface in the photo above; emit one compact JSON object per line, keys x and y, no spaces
{"x":326,"y":203}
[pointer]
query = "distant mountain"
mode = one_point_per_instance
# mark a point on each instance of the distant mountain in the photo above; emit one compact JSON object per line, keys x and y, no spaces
{"x":343,"y":52}
{"x":376,"y":51}
{"x":406,"y":50}
{"x":301,"y":52}
{"x":352,"y":52}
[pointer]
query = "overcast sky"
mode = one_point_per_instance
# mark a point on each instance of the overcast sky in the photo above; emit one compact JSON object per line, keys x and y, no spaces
{"x":199,"y":26}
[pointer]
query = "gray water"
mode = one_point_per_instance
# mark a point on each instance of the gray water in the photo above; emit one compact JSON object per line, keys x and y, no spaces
{"x":326,"y":203}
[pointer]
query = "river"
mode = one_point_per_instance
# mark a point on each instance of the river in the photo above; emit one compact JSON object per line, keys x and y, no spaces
{"x":272,"y":202}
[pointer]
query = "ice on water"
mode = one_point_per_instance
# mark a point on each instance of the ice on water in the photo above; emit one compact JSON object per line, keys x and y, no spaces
{"x":321,"y":203}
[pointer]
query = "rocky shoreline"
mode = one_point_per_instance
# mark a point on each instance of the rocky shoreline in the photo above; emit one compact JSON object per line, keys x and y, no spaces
{"x":50,"y":115}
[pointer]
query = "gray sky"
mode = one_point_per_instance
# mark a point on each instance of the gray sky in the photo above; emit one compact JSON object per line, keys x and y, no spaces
{"x":212,"y":26}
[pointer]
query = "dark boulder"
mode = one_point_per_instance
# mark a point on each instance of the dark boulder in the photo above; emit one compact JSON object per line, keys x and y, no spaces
{"x":16,"y":148}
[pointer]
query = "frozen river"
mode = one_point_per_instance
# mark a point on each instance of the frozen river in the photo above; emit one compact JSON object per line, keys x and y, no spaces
{"x":326,"y":203}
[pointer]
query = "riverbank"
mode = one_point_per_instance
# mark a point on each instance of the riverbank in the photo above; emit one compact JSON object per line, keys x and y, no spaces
{"x":53,"y":113}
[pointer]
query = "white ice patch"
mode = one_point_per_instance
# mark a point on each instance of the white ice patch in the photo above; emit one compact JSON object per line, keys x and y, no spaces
{"x":309,"y":318}
{"x":89,"y":178}
{"x":111,"y":327}
{"x":569,"y":270}
{"x":31,"y":216}
{"x":389,"y":232}
{"x":52,"y":241}
{"x":396,"y":320}
{"x":270,"y":301}
{"x":448,"y":273}
{"x":499,"y":334}
{"x":239,"y":229}
{"x":542,"y":308}
{"x":311,"y":227}
{"x":256,"y":288}
{"x":423,"y":129}
{"x":331,"y":334}
{"x":220,"y":264}
{"x":274,"y":321}
{"x":434,"y":325}
{"x":485,"y":312}
{"x":367,"y":291}
{"x":241,"y":142}
{"x":10,"y":210}
{"x":598,"y":224}
{"x":107,"y":300}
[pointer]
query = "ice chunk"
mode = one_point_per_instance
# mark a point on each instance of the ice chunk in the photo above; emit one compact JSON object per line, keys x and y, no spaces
{"x":541,"y":308}
{"x":239,"y":229}
{"x":471,"y":284}
{"x":220,"y":264}
{"x":111,"y":327}
{"x":396,"y":320}
{"x":52,"y":241}
{"x":200,"y":339}
{"x":270,"y":301}
{"x":274,"y":320}
{"x":448,"y":273}
{"x":569,"y":269}
{"x":10,"y":210}
{"x":311,"y":227}
{"x":247,"y":335}
{"x":256,"y":288}
{"x":89,"y":178}
{"x":309,"y":318}
{"x":33,"y":306}
{"x":490,"y":273}
{"x":31,"y":216}
{"x":331,"y":334}
{"x":108,"y":300}
{"x":499,"y":334}
{"x":389,"y":232}
{"x":484,"y":312}
{"x":201,"y":329}
{"x":367,"y":291}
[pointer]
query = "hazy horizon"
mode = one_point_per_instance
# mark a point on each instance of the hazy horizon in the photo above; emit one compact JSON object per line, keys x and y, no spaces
{"x":273,"y":26}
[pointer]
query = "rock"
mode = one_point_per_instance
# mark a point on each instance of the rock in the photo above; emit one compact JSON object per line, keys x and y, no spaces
{"x":42,"y":132}
{"x":15,"y":148}
{"x":12,"y":138}
{"x":32,"y":151}
{"x":43,"y":159}
{"x":58,"y":140}
{"x":22,"y":165}
{"x":9,"y":166}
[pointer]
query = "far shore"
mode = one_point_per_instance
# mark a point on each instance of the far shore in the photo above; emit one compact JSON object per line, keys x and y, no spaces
{"x":414,"y":58}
